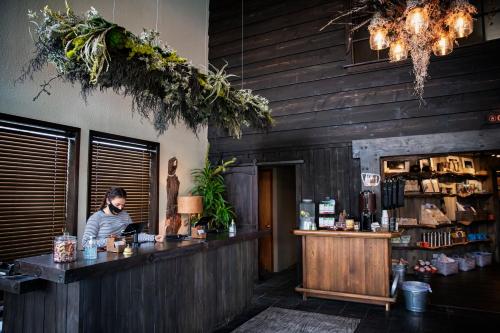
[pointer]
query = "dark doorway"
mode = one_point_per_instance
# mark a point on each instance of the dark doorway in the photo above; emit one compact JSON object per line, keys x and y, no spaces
{"x":277,"y":213}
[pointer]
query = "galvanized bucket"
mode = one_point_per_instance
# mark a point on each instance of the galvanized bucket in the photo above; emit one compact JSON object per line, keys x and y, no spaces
{"x":400,"y":271}
{"x":416,"y":295}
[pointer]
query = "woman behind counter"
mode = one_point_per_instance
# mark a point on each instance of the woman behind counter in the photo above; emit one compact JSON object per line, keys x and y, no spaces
{"x":111,"y":219}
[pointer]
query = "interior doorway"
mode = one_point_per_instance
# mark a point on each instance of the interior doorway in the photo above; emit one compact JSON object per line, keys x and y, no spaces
{"x":277,"y":214}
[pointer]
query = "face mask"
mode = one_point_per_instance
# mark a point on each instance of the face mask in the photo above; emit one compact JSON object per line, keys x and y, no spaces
{"x":113,"y":209}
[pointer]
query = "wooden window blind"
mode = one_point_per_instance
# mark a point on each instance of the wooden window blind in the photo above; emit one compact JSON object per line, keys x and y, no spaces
{"x":35,"y":164}
{"x":128,"y":163}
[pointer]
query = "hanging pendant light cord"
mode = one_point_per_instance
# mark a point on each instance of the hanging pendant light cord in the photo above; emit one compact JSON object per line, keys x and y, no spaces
{"x":242,"y":12}
{"x":114,"y":5}
{"x":157,"y":9}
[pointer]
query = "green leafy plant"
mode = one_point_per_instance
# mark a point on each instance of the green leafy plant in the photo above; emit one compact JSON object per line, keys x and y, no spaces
{"x":209,"y":183}
{"x":164,"y":87}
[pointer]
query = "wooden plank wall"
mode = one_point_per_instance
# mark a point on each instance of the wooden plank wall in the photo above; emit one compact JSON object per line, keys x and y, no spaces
{"x":320,"y":105}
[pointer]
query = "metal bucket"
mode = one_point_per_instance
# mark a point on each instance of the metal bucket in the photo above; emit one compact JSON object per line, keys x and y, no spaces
{"x":416,"y":295}
{"x":400,"y":271}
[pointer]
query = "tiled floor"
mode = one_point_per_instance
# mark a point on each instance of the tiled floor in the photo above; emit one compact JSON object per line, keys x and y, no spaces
{"x":279,"y":291}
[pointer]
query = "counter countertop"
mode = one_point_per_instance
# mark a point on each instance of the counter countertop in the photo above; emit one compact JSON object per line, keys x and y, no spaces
{"x":44,"y":267}
{"x":350,"y":234}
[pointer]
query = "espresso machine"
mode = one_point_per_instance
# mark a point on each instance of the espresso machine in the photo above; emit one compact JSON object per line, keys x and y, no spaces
{"x":367,"y":205}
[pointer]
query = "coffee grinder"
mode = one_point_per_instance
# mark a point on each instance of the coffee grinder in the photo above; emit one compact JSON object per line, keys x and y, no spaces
{"x":367,"y":200}
{"x":368,"y":207}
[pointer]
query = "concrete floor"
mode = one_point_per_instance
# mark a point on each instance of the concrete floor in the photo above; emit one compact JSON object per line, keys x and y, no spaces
{"x":465,"y":302}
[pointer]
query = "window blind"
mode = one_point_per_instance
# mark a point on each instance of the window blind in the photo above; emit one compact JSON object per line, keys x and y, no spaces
{"x":122,"y":163}
{"x":33,"y":189}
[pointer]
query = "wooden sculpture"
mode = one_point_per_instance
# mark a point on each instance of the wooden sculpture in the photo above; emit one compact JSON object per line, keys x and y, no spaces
{"x":173,"y":221}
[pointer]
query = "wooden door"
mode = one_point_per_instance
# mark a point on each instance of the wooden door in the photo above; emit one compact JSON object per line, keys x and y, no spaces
{"x":241,"y":189}
{"x":266,"y":221}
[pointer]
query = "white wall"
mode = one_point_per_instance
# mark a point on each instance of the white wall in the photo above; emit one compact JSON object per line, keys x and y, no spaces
{"x":181,"y":23}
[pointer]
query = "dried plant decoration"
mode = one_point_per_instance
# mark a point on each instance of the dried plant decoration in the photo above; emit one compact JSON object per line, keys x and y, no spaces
{"x":417,"y":27}
{"x":164,"y":87}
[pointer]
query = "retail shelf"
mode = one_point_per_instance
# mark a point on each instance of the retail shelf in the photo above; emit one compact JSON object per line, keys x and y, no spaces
{"x":443,"y":225}
{"x":395,"y":247}
{"x":427,"y":226}
{"x":441,"y":195}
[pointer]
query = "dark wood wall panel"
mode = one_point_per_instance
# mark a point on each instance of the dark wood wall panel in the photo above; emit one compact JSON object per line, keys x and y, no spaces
{"x":321,"y":102}
{"x":326,"y":171}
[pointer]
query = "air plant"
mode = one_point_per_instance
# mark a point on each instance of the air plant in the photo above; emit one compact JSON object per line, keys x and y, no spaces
{"x":164,"y":87}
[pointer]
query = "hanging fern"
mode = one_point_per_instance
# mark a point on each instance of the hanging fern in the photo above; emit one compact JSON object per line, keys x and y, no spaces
{"x":164,"y":87}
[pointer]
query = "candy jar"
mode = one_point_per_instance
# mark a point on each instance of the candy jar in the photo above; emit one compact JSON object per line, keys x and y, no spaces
{"x":64,"y":248}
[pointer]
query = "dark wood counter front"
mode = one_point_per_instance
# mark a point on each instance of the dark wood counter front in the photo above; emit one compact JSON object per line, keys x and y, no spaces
{"x":353,"y":266}
{"x":175,"y":286}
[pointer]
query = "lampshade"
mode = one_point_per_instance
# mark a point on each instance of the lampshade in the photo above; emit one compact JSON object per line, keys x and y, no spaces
{"x":378,"y":39}
{"x":398,"y":51}
{"x":443,"y":45}
{"x":190,"y":205}
{"x":462,"y":24}
{"x":417,"y":20}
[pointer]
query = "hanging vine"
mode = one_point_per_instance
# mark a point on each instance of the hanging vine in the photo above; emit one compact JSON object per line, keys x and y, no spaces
{"x":164,"y":87}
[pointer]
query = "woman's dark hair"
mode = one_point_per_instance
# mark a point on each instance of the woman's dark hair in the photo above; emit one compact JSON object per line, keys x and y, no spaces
{"x":113,"y":192}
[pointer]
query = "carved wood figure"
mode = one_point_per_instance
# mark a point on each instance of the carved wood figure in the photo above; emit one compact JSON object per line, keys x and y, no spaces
{"x":173,"y":221}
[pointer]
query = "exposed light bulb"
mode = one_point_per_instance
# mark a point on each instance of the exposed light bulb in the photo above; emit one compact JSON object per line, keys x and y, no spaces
{"x":398,"y":51}
{"x":378,"y":39}
{"x":417,"y":20}
{"x":462,"y":24}
{"x":443,"y":45}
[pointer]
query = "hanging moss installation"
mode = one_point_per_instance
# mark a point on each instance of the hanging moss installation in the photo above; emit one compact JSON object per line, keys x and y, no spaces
{"x":164,"y":87}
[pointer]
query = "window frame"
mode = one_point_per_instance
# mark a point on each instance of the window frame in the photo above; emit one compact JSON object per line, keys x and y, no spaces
{"x":74,"y":133}
{"x":154,"y":179}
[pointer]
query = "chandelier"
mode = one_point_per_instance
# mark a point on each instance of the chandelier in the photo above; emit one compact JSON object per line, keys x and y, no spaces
{"x":415,"y":28}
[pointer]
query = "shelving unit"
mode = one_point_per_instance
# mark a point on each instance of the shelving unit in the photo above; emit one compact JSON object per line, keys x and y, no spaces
{"x":424,"y":226}
{"x":439,"y":226}
{"x":442,"y":195}
{"x":479,"y":222}
{"x":395,"y":247}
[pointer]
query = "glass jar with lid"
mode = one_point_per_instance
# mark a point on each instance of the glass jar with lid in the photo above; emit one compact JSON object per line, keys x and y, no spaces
{"x":307,"y":215}
{"x":65,"y":248}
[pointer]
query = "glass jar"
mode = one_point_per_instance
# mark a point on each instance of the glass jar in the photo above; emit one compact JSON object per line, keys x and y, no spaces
{"x":307,"y":214}
{"x":64,"y":248}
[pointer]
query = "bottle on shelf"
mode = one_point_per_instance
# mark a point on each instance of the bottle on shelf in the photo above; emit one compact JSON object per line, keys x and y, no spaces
{"x":341,"y":225}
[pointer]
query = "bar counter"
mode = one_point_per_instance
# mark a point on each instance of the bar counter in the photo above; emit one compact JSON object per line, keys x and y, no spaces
{"x":174,"y":286}
{"x":343,"y":265}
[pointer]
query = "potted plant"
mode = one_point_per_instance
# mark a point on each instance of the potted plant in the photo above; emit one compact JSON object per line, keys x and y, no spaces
{"x":209,"y":183}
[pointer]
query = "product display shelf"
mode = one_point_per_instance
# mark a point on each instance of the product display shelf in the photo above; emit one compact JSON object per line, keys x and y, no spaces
{"x":423,"y":175}
{"x":443,"y":225}
{"x":395,"y":247}
{"x":427,"y":226}
{"x":441,"y":195}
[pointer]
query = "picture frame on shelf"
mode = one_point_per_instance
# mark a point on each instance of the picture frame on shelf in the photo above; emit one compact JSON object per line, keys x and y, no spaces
{"x":412,"y":186}
{"x":455,"y":164}
{"x":430,"y":185}
{"x":468,"y":165}
{"x":396,"y":166}
{"x":476,"y":185}
{"x":438,"y":164}
{"x":425,"y":164}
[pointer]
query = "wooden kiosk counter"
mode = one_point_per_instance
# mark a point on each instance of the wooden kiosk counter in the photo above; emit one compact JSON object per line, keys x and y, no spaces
{"x":343,"y":265}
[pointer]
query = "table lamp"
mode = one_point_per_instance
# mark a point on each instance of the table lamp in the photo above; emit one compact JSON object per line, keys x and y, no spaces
{"x":189,"y":205}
